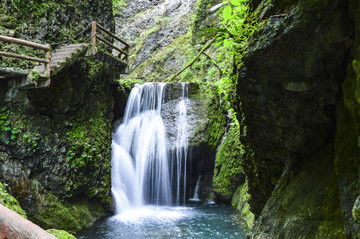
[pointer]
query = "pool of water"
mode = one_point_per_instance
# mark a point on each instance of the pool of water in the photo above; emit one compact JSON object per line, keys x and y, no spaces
{"x":169,"y":222}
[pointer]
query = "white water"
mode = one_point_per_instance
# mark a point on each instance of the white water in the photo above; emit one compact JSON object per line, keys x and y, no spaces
{"x":142,"y":172}
{"x":179,"y":159}
{"x":195,"y":197}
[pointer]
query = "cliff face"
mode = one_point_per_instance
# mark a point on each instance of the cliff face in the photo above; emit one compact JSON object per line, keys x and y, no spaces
{"x":300,"y":123}
{"x":161,"y":34}
{"x":55,"y":142}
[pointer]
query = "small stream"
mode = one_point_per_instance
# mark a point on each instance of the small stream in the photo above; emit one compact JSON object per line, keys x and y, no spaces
{"x":169,"y":222}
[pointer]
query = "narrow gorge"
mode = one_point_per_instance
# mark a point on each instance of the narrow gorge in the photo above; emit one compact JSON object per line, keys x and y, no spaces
{"x":179,"y":119}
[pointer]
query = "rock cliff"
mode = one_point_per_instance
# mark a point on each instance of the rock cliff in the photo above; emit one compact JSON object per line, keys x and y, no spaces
{"x":55,"y":142}
{"x":299,"y":103}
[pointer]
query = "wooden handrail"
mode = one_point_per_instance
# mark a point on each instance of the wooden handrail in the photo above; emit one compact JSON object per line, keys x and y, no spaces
{"x":94,"y":36}
{"x":111,"y":34}
{"x":108,"y":43}
{"x":29,"y":58}
{"x":46,"y":48}
{"x":25,"y":43}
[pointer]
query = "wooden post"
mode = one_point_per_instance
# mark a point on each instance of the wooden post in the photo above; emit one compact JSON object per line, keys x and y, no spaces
{"x":48,"y":65}
{"x":126,"y":58}
{"x":93,"y":36}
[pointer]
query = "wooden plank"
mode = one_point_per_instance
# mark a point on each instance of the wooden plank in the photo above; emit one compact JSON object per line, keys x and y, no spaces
{"x":24,"y":42}
{"x":113,"y":35}
{"x":115,"y":47}
{"x":7,"y":54}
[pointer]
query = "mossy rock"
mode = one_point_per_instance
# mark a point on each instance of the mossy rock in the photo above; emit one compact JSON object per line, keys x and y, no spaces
{"x":55,"y":213}
{"x":356,"y":211}
{"x":10,"y":202}
{"x":240,"y":201}
{"x":305,"y":204}
{"x":228,"y":170}
{"x":61,"y":234}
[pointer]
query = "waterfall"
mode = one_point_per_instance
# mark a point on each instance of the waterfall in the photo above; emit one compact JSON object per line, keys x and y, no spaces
{"x":195,"y":197}
{"x":142,"y":171}
{"x":180,"y":155}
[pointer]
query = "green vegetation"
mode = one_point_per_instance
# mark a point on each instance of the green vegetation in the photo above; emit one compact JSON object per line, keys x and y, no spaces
{"x":18,"y":131}
{"x":240,"y":201}
{"x":56,"y":213}
{"x":9,"y":201}
{"x":238,"y":24}
{"x":118,"y":5}
{"x":228,"y":171}
{"x":61,"y":234}
{"x":125,"y":85}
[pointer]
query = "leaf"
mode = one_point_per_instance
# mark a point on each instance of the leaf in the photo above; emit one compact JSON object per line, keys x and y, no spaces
{"x":227,"y":13}
{"x":236,"y":2}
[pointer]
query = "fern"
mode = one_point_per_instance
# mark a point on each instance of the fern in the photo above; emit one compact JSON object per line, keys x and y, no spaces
{"x":237,"y":25}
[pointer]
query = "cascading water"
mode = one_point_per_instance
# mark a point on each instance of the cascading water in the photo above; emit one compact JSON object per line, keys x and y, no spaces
{"x":195,"y":197}
{"x":180,"y":155}
{"x":140,"y":171}
{"x":140,"y":164}
{"x":149,"y":166}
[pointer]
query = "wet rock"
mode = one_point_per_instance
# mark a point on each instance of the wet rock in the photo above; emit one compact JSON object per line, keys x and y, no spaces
{"x":356,"y":211}
{"x":289,"y":86}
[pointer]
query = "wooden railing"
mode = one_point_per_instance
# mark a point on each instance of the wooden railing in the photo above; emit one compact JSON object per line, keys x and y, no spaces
{"x":123,"y":53}
{"x":46,"y":48}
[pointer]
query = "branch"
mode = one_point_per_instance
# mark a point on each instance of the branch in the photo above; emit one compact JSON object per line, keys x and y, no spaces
{"x":213,"y":63}
{"x":194,"y":60}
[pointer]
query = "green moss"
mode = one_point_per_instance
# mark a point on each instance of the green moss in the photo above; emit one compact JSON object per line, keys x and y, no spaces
{"x":15,"y":130}
{"x":118,"y":5}
{"x":87,"y":154}
{"x":10,"y":202}
{"x":228,"y":171}
{"x":56,"y":213}
{"x":61,"y":234}
{"x":306,"y":201}
{"x":240,"y":201}
{"x":178,"y":49}
{"x":125,"y":85}
{"x":215,"y":126}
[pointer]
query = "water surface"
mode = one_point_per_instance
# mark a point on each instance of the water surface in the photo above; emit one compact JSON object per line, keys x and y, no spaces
{"x":169,"y":222}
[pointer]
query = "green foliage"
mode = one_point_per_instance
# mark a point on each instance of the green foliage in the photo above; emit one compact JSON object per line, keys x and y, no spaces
{"x":35,"y":75}
{"x":84,"y":148}
{"x":21,"y":50}
{"x":60,"y":234}
{"x":18,"y":132}
{"x":87,"y":154}
{"x":237,"y":25}
{"x":9,"y":201}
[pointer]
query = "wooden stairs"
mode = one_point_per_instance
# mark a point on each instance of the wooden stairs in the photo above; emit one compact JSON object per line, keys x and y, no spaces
{"x":61,"y":58}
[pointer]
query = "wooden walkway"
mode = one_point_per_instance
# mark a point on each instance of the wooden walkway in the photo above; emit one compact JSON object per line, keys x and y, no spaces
{"x":60,"y":58}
